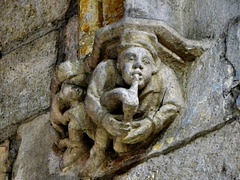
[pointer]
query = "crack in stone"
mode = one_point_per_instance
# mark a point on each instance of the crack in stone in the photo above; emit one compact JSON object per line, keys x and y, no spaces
{"x":232,"y":89}
{"x":172,"y":149}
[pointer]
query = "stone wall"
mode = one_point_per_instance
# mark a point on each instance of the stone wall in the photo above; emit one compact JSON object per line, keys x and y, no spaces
{"x":36,"y":36}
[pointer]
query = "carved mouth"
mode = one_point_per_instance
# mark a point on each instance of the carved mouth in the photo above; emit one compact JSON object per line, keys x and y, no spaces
{"x":138,"y":75}
{"x":138,"y":72}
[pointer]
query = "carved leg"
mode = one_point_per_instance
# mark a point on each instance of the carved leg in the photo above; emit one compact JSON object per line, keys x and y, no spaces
{"x":97,"y":153}
{"x":74,"y":144}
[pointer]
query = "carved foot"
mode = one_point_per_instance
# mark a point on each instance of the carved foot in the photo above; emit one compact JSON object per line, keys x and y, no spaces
{"x":94,"y":164}
{"x":71,"y":155}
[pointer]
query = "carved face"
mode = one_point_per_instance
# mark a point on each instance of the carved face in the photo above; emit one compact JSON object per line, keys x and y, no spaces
{"x":136,"y":61}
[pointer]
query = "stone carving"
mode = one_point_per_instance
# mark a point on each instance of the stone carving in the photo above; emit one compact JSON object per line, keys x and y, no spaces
{"x":128,"y":100}
{"x":117,"y":109}
{"x":132,"y":98}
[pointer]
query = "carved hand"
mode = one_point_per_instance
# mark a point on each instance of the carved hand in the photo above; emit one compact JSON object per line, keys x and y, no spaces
{"x":113,"y":126}
{"x":139,"y":131}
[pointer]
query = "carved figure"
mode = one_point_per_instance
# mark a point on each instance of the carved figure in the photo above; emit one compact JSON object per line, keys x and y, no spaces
{"x":129,"y":101}
{"x":131,"y":116}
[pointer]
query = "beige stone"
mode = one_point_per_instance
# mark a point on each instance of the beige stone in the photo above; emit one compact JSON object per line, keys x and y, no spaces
{"x":4,"y":161}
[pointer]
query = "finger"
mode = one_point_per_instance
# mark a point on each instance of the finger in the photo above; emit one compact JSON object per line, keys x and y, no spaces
{"x":136,"y":124}
{"x":115,"y":133}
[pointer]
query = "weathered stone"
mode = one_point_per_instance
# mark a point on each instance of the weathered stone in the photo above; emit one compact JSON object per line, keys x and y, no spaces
{"x":94,"y":15}
{"x":4,"y":162}
{"x":71,"y":40}
{"x":232,"y":55}
{"x":35,"y":149}
{"x":215,"y":156}
{"x":166,"y":10}
{"x":25,"y":76}
{"x":90,"y":21}
{"x":113,"y":10}
{"x":21,"y":18}
{"x":233,"y":45}
{"x":207,"y":19}
{"x":206,"y":107}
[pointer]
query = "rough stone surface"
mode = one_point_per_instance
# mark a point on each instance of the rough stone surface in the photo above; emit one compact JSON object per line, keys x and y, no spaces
{"x":206,"y":108}
{"x":215,"y":156}
{"x":25,"y":76}
{"x":90,"y":21}
{"x":207,"y":19}
{"x":233,"y":45}
{"x":112,"y":11}
{"x":35,"y":148}
{"x":94,"y":15}
{"x":21,"y":18}
{"x":165,"y":10}
{"x":71,"y":40}
{"x":4,"y":162}
{"x":232,"y":54}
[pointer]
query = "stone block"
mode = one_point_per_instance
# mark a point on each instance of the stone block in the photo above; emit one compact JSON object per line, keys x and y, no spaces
{"x":21,"y":18}
{"x":94,"y":15}
{"x":206,"y":106}
{"x":4,"y":162}
{"x":71,"y":39}
{"x":233,"y":45}
{"x":215,"y":156}
{"x":112,"y":11}
{"x":207,"y":19}
{"x":25,"y":75}
{"x":165,"y":10}
{"x":35,"y":149}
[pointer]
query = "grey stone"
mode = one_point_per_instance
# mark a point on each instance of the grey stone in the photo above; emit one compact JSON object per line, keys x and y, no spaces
{"x":165,"y":10}
{"x":215,"y":156}
{"x":21,"y":18}
{"x":34,"y":151}
{"x":233,"y":45}
{"x":206,"y":107}
{"x":238,"y":102}
{"x":207,"y":19}
{"x":232,"y":55}
{"x":25,"y":76}
{"x":71,"y":39}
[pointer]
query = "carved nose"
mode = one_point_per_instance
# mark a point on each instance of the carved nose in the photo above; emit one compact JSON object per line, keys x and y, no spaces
{"x":138,"y":64}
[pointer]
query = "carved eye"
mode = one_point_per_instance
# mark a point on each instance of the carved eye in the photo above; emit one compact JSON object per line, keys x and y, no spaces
{"x":145,"y":61}
{"x":131,"y":58}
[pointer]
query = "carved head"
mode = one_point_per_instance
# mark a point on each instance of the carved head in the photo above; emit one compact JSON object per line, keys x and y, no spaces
{"x":137,"y":56}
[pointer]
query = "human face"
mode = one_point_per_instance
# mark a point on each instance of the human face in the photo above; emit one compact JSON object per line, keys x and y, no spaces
{"x":136,"y":62}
